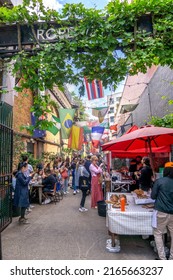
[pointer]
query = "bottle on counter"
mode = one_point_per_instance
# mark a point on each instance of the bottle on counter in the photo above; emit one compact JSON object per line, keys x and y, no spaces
{"x":122,"y":203}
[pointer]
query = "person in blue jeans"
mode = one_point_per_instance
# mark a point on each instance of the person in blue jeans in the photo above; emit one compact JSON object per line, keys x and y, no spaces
{"x":83,"y":183}
{"x":73,"y":167}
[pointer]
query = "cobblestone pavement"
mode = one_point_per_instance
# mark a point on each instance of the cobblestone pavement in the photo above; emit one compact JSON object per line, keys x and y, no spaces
{"x":61,"y":232}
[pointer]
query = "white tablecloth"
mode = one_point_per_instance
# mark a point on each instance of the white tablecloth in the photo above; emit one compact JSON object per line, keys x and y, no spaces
{"x":134,"y":221}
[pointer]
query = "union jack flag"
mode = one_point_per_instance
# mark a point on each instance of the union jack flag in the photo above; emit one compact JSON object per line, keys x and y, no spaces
{"x":94,"y":89}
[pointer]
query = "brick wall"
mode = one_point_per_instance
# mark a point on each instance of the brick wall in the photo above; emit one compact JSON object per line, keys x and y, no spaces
{"x":21,"y":110}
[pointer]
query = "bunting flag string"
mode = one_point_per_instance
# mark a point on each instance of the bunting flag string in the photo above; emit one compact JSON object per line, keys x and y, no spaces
{"x":94,"y":89}
{"x":66,"y":119}
{"x":113,"y":127}
{"x":100,"y":112}
{"x":56,"y":126}
{"x":37,"y":133}
{"x":97,"y":132}
{"x":76,"y":138}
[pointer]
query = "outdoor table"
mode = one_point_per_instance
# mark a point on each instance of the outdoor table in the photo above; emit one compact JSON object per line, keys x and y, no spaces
{"x":123,"y":185}
{"x":134,"y":221}
{"x":40,"y":190}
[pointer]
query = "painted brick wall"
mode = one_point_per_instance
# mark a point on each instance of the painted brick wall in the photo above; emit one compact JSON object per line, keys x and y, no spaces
{"x":21,"y":110}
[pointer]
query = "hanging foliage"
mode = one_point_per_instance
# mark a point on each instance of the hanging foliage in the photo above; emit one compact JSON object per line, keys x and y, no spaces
{"x":96,"y":40}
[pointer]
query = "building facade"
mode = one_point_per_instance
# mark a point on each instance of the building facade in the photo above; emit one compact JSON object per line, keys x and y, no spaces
{"x":144,"y":96}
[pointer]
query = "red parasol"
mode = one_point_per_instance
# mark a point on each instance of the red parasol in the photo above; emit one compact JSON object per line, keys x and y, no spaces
{"x":141,"y":152}
{"x":147,"y":138}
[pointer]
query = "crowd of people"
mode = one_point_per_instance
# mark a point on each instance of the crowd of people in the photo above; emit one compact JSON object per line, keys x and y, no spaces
{"x":86,"y":176}
{"x":83,"y":175}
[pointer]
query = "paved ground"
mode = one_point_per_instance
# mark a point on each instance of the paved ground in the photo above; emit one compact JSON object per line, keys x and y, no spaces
{"x":61,"y":232}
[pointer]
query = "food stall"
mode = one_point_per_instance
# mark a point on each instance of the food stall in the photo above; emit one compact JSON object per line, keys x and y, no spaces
{"x":135,"y":220}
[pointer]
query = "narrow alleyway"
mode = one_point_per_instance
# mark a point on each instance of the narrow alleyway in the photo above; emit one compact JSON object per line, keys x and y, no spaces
{"x":60,"y":231}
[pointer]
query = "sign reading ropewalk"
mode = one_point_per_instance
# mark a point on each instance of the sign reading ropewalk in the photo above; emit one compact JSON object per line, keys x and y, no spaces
{"x":40,"y":32}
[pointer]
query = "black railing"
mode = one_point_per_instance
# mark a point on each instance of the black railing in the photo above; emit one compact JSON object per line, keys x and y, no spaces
{"x":6,"y":152}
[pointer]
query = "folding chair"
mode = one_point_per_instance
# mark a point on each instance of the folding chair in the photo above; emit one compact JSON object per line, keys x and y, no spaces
{"x":54,"y":194}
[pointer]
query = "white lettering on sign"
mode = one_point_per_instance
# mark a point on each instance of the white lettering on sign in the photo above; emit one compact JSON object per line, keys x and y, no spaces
{"x":53,"y":34}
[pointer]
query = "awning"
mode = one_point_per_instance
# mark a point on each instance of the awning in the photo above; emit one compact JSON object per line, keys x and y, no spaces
{"x":128,"y":108}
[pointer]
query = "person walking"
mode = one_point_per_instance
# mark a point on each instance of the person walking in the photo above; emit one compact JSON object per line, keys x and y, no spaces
{"x":73,"y":167}
{"x":87,"y":165}
{"x":162,"y":192}
{"x":83,"y":184}
{"x":21,"y":194}
{"x":64,"y":176}
{"x":96,"y":184}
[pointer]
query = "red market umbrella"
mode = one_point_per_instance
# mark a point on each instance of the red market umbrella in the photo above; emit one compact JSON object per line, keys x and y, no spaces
{"x":147,"y":137}
{"x":141,"y":152}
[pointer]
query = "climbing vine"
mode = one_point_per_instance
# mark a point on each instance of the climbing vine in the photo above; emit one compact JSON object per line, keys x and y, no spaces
{"x":98,"y":36}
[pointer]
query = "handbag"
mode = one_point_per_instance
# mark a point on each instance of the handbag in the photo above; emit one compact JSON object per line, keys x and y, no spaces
{"x":100,"y":179}
{"x":64,"y":174}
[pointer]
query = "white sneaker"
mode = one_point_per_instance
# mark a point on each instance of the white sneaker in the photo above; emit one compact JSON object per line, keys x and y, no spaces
{"x":47,"y":201}
{"x":74,"y":192}
{"x":29,"y":210}
{"x":65,"y":192}
{"x":77,"y":191}
{"x":31,"y":206}
{"x":84,"y":209}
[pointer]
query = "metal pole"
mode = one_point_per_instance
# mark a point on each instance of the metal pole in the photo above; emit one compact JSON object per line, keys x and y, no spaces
{"x":149,"y":99}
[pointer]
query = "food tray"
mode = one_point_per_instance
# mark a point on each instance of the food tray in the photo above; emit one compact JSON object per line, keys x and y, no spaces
{"x":143,"y":200}
{"x":146,"y":200}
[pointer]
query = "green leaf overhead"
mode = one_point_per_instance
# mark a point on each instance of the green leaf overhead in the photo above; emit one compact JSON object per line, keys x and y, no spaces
{"x":96,"y":36}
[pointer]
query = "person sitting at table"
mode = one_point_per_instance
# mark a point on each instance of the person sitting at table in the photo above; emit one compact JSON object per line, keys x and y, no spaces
{"x":48,"y":183}
{"x":38,"y":176}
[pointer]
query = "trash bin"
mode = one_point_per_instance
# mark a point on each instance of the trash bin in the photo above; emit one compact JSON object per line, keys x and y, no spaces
{"x":101,"y":206}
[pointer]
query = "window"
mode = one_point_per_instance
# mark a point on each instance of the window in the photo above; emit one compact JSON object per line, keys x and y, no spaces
{"x":111,"y":100}
{"x":112,"y":119}
{"x":118,"y":99}
{"x":30,"y":147}
{"x":111,"y":110}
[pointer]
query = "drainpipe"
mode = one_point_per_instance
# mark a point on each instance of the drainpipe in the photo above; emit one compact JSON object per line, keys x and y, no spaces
{"x":0,"y":248}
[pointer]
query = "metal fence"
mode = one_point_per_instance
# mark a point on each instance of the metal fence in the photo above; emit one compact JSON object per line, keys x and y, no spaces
{"x":6,"y":149}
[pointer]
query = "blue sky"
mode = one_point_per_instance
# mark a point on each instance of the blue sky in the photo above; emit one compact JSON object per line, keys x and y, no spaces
{"x":98,"y":4}
{"x":57,"y":4}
